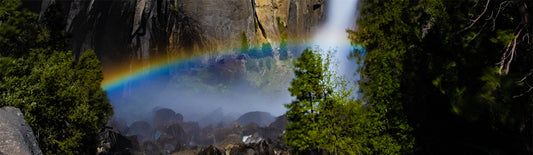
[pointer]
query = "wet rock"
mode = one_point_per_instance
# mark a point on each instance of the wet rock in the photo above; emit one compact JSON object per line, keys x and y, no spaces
{"x":250,"y":129}
{"x":211,"y":150}
{"x":165,"y":117}
{"x":240,"y":148}
{"x":263,"y":147}
{"x":118,"y":125}
{"x":280,"y":122}
{"x":149,"y":147}
{"x":169,"y":144}
{"x":260,"y":118}
{"x":16,"y":136}
{"x":193,"y":131}
{"x":176,"y":131}
{"x":207,"y":136}
{"x":172,"y":139}
{"x":112,"y":142}
{"x":230,"y":139}
{"x":143,"y":130}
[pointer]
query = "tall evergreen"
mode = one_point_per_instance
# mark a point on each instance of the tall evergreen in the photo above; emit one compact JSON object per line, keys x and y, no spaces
{"x":324,"y":114}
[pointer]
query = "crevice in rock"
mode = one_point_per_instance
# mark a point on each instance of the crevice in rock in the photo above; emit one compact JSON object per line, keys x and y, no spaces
{"x":316,"y":6}
{"x":256,"y":19}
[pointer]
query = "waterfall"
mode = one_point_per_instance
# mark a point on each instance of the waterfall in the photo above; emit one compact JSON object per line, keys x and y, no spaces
{"x":332,"y":36}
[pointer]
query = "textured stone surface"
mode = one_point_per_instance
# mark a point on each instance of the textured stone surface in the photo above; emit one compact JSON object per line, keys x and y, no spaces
{"x":16,"y":137}
{"x":129,"y":32}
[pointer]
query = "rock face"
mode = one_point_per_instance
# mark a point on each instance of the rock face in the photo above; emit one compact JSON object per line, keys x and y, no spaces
{"x":133,"y":31}
{"x":16,"y":136}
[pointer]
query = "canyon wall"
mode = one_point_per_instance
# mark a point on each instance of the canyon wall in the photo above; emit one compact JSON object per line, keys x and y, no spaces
{"x":134,"y":31}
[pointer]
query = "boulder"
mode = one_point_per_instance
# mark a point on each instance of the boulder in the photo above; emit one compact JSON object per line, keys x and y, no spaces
{"x":193,"y":131}
{"x":260,"y":118}
{"x":230,"y":139}
{"x":211,"y":150}
{"x":280,"y":122}
{"x":169,"y":144}
{"x":118,"y":125}
{"x":112,"y":142}
{"x":16,"y":136}
{"x":263,"y":147}
{"x":165,"y":117}
{"x":240,"y":148}
{"x":177,"y":132}
{"x":207,"y":136}
{"x":150,"y":147}
{"x":143,"y":130}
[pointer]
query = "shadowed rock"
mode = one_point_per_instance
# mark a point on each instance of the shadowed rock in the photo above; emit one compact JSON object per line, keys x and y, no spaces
{"x":280,"y":122}
{"x":211,"y":150}
{"x":112,"y":142}
{"x":193,"y":131}
{"x":166,"y":117}
{"x":118,"y":125}
{"x":143,"y":130}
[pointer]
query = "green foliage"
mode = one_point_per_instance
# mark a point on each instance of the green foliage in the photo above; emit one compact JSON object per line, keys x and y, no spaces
{"x":430,"y":73}
{"x":310,"y":89}
{"x":244,"y":41}
{"x":61,"y":99}
{"x":18,"y":29}
{"x":324,"y":115}
{"x":387,"y":30}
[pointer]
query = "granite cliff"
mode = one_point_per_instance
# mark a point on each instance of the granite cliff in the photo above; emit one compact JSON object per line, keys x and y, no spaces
{"x":134,"y":31}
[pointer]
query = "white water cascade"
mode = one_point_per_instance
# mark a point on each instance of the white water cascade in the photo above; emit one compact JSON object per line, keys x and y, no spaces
{"x":332,"y":36}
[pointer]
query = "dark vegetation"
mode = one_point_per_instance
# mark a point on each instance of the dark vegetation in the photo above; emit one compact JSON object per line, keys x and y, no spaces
{"x":438,"y":77}
{"x":60,"y":98}
{"x":450,"y":76}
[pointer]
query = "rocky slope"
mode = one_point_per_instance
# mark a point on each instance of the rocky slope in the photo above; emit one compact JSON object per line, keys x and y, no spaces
{"x":133,"y":31}
{"x":16,"y":136}
{"x":168,"y":135}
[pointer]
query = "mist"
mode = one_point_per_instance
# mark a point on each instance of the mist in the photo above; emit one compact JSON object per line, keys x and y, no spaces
{"x":233,"y":84}
{"x":197,"y":88}
{"x":333,"y":37}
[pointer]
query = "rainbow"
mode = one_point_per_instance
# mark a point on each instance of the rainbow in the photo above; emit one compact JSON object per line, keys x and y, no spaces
{"x":153,"y":67}
{"x":157,"y":67}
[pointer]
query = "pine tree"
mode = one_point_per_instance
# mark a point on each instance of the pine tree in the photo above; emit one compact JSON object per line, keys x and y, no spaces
{"x":310,"y":88}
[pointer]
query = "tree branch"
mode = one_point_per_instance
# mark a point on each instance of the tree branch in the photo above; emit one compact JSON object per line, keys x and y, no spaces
{"x":512,"y":52}
{"x":482,"y":13}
